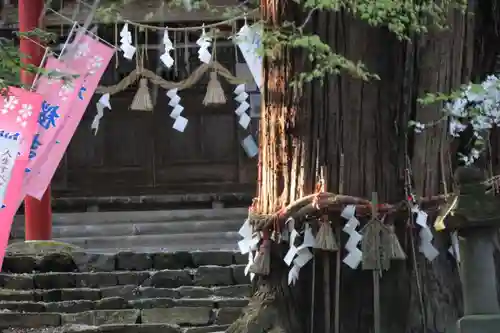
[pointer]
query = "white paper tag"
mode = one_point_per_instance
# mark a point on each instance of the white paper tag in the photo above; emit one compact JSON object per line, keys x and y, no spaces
{"x":426,"y":235}
{"x":176,"y":111}
{"x":172,"y":92}
{"x":353,"y":259}
{"x":309,"y":239}
{"x":422,"y":218}
{"x":293,"y":235}
{"x":244,"y":120}
{"x":204,"y":56}
{"x":250,"y":262}
{"x":352,"y":243}
{"x":180,"y":124}
{"x":293,"y":275}
{"x":241,"y":97}
{"x":303,"y":257}
{"x":250,"y":146}
{"x":244,"y":246}
{"x":104,"y":100}
{"x":242,"y":108}
{"x":429,"y":251}
{"x":128,"y":51}
{"x":254,"y":243}
{"x":239,"y":89}
{"x":246,"y":230}
{"x":351,"y":225}
{"x":455,"y":246}
{"x":167,"y":60}
{"x":125,"y":31}
{"x":174,"y":101}
{"x":348,"y":212}
{"x":290,"y":255}
{"x":290,"y":223}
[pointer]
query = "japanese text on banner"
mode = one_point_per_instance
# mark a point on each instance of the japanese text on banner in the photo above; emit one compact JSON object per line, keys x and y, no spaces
{"x":59,"y":94}
{"x":18,"y":118}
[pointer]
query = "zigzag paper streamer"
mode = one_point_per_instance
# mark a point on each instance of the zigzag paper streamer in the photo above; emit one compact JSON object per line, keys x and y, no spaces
{"x":426,"y":236}
{"x":241,"y":97}
{"x":180,"y":121}
{"x":354,"y":255}
{"x":204,"y":42}
{"x":166,"y":58}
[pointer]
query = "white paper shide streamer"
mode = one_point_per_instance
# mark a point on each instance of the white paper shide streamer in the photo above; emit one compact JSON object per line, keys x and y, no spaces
{"x":241,"y":111}
{"x":354,"y":254}
{"x":126,"y":43}
{"x":298,"y":257}
{"x":100,"y":106}
{"x":248,"y":40}
{"x":180,"y":122}
{"x":454,"y":249}
{"x":166,"y":58}
{"x":204,"y":42}
{"x":426,"y":237}
{"x":248,"y":244}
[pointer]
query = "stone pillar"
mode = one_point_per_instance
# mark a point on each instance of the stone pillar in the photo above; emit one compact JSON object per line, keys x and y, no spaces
{"x":476,"y":217}
{"x":478,"y":272}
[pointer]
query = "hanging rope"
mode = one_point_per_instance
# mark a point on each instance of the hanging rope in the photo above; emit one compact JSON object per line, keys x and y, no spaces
{"x":155,"y":79}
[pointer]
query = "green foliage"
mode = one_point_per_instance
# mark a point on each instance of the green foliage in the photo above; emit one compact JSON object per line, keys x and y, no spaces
{"x":403,"y":18}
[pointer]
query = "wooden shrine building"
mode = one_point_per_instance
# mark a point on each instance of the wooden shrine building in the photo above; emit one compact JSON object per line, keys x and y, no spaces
{"x":137,"y":155}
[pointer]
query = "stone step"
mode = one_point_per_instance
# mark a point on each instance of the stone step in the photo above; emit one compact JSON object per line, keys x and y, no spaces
{"x":122,"y":261}
{"x":139,"y":228}
{"x":127,"y":292}
{"x":119,"y":303}
{"x":124,"y":328}
{"x":106,"y":218}
{"x":201,"y":276}
{"x":178,"y":242}
{"x":220,"y":246}
{"x":182,"y":316}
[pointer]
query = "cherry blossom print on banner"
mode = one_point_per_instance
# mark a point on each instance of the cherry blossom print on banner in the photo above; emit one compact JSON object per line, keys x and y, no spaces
{"x":59,"y":93}
{"x":90,"y":60}
{"x":19,"y":111}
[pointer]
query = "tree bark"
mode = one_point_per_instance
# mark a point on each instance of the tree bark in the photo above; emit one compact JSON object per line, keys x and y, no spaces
{"x":366,"y":122}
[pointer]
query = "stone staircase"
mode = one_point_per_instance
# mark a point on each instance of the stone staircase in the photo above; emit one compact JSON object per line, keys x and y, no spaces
{"x":127,"y":292}
{"x":146,"y":231}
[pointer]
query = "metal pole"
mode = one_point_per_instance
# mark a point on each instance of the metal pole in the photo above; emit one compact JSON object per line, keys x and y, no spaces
{"x":38,"y":214}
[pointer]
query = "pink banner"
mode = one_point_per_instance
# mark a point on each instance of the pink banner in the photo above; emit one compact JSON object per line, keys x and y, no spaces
{"x":58,"y":96}
{"x":90,"y":61}
{"x":19,"y":112}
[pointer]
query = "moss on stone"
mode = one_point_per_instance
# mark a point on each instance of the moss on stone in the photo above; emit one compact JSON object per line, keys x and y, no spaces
{"x":41,"y":248}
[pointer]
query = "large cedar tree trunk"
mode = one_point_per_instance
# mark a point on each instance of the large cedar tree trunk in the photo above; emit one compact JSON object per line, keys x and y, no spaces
{"x":366,"y":122}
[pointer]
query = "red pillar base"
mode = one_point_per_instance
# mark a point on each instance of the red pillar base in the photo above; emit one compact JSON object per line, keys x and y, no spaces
{"x":38,"y":217}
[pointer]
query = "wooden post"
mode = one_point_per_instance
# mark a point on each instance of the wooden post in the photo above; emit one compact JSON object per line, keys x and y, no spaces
{"x":376,"y":275}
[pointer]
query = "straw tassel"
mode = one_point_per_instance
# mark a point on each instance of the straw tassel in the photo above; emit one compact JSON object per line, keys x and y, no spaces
{"x":325,"y":239}
{"x":215,"y":94}
{"x":262,"y":261}
{"x":396,"y":250}
{"x":374,"y":247}
{"x":142,"y":100}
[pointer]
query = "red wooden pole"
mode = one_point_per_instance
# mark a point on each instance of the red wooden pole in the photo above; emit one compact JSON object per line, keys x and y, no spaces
{"x":38,"y":214}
